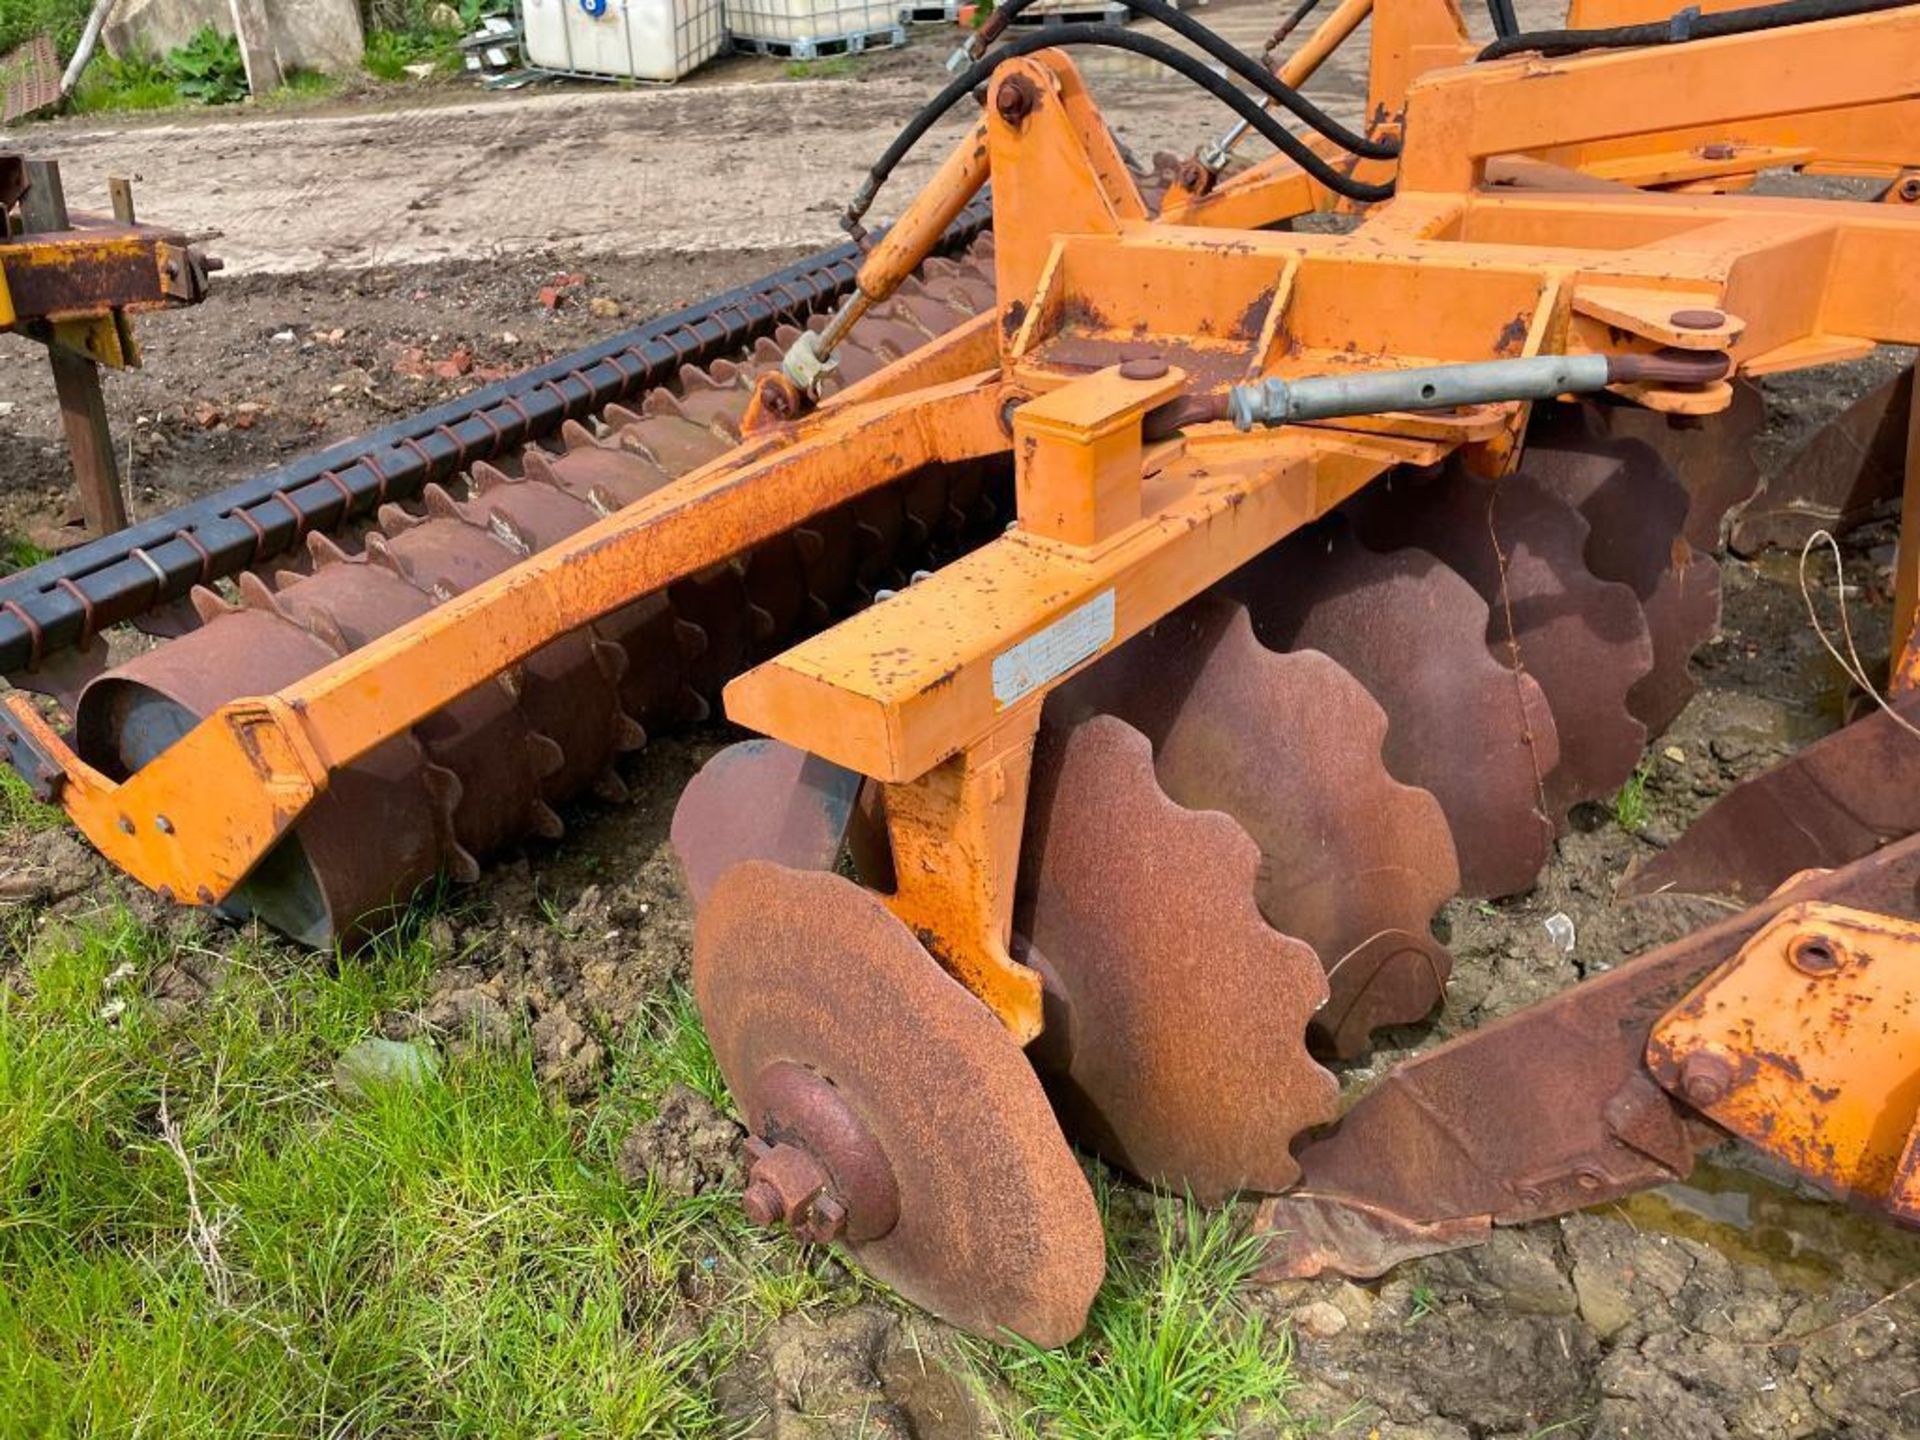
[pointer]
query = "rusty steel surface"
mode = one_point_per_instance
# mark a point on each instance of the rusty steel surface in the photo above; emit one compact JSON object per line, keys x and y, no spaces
{"x":1711,"y":455}
{"x":1636,"y":511}
{"x":1352,"y":861}
{"x":1840,"y":798}
{"x":994,"y":1227}
{"x":1806,"y":1044}
{"x":492,"y":766}
{"x":761,"y":800}
{"x":29,"y":83}
{"x":1476,"y":735}
{"x":1545,"y":1111}
{"x":1583,"y":639}
{"x":1844,"y":473}
{"x":1176,"y":1016}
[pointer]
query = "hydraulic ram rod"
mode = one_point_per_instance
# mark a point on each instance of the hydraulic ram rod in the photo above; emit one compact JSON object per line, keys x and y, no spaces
{"x":1276,"y":401}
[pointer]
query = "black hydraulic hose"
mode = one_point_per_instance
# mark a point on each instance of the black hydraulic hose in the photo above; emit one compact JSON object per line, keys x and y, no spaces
{"x":1247,"y":68}
{"x":1506,"y":24}
{"x":1111,"y":37}
{"x":1292,"y":23}
{"x":1688,"y":24}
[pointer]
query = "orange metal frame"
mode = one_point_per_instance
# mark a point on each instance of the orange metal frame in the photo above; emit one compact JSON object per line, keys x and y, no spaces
{"x":937,"y":691}
{"x":1716,"y":132}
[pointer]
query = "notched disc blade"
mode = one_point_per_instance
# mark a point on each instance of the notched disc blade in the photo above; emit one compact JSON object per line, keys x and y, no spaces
{"x":1176,"y":1014}
{"x":1473,"y":733}
{"x":1839,"y":799}
{"x":1582,"y":638}
{"x":1290,"y":746}
{"x":997,"y":1229}
{"x":1636,"y":511}
{"x":761,"y":800}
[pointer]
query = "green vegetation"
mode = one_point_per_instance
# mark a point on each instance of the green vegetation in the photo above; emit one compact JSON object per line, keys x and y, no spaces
{"x":200,"y":1236}
{"x":208,"y":69}
{"x":403,"y":32}
{"x":1170,"y":1350}
{"x":21,"y":20}
{"x":1630,"y":805}
{"x":831,"y":68}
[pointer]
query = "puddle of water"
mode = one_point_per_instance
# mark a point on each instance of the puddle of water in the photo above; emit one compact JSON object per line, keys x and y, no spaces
{"x":1806,"y":1241}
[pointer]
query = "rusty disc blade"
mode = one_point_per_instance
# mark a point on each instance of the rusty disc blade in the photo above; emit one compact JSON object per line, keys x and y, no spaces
{"x":1176,"y":1015}
{"x":996,"y":1228}
{"x":1711,"y":455}
{"x":1848,"y":468}
{"x":1476,"y":735}
{"x":1582,"y":638}
{"x":1290,"y":747}
{"x":761,"y":800}
{"x":1840,"y":798}
{"x":1636,"y":512}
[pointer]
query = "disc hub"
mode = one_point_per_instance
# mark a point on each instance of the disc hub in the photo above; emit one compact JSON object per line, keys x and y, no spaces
{"x":816,"y":1167}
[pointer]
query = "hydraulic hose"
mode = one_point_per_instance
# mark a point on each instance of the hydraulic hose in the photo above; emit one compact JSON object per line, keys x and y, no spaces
{"x":1684,"y":26}
{"x":1506,"y":24}
{"x":1112,"y":37}
{"x":1229,"y":55}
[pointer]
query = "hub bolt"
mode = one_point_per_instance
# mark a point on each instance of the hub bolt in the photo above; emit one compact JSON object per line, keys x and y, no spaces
{"x":1015,"y":99}
{"x":787,"y":1186}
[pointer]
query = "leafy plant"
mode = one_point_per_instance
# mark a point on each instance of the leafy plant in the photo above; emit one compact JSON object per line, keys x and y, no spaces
{"x":208,"y":68}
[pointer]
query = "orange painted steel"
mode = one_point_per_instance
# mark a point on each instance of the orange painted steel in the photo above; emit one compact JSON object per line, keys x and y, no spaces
{"x":935,"y":692}
{"x":1603,"y":136}
{"x":1807,"y":1046}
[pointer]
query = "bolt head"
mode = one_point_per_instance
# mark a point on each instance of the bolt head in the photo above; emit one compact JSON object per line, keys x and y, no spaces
{"x":1705,"y":1078}
{"x":1145,"y":367}
{"x":1700,"y":319}
{"x":1910,"y":188}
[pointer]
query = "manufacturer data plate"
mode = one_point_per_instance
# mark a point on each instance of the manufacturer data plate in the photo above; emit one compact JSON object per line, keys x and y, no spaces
{"x":1047,"y":654}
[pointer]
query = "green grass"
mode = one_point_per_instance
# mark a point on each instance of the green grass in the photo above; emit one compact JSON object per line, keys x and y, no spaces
{"x":126,"y":85}
{"x":1630,"y":805}
{"x":1170,"y":1350}
{"x":832,"y":68}
{"x":198,"y":1236}
{"x":18,"y":553}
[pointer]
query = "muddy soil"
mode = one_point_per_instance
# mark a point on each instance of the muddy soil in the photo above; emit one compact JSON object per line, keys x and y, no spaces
{"x":1737,"y":1307}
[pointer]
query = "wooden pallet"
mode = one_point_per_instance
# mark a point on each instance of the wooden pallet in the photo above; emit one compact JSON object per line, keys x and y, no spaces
{"x":821,"y":47}
{"x":1074,"y":12}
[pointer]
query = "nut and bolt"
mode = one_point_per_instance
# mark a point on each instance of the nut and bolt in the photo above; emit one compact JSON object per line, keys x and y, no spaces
{"x":787,"y":1186}
{"x":1909,"y":190}
{"x":1705,"y":1078}
{"x":1015,"y":99}
{"x":1815,"y":955}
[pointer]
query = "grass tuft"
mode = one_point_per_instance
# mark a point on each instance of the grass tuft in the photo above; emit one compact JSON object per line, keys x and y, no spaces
{"x":1630,"y":805}
{"x":1170,"y":1349}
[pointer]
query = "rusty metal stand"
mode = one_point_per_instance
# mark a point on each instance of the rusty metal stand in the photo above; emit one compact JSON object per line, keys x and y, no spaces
{"x":76,"y":379}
